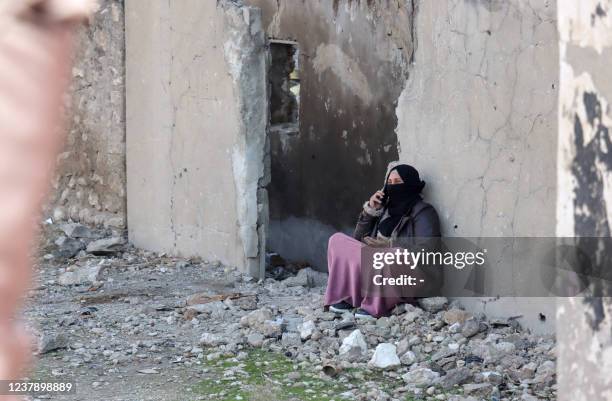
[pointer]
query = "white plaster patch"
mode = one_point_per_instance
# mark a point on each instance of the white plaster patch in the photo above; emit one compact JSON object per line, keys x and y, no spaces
{"x":586,"y":23}
{"x":571,"y":104}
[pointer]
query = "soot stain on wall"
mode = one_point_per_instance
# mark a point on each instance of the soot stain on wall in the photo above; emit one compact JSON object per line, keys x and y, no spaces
{"x":354,"y":58}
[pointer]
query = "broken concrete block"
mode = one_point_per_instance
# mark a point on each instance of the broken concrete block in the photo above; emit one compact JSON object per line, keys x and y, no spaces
{"x":106,"y":246}
{"x":307,"y":278}
{"x":87,"y":274}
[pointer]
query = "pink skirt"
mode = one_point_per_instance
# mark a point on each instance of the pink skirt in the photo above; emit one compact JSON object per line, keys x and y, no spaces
{"x":344,"y":283}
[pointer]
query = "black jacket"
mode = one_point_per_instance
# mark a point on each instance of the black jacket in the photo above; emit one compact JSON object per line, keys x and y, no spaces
{"x":420,"y":222}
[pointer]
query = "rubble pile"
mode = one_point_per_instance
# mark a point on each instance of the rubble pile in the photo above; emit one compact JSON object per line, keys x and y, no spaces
{"x":103,"y":310}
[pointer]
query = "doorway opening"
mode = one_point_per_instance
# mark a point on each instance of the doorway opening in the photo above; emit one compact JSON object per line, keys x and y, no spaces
{"x":284,"y":106}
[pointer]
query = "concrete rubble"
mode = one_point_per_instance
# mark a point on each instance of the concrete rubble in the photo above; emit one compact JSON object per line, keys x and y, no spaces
{"x":151,"y":325}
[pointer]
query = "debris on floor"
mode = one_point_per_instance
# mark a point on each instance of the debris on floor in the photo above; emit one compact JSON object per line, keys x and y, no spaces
{"x":133,"y":325}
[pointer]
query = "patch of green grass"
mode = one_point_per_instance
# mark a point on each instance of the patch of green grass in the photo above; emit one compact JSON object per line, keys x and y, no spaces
{"x":262,"y":375}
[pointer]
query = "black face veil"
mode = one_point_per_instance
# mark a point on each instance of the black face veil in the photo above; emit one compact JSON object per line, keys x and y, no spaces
{"x":401,"y":197}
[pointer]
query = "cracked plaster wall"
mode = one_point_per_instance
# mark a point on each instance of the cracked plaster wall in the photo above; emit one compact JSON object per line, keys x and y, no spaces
{"x":477,"y":117}
{"x":584,"y":206}
{"x":90,"y":181}
{"x":196,"y":119}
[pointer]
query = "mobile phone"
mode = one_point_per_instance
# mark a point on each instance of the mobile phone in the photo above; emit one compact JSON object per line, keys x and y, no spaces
{"x":385,"y":197}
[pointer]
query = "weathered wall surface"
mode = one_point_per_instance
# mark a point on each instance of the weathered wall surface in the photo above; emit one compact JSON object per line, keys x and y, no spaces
{"x":584,"y":205}
{"x":196,"y":119}
{"x":90,"y":183}
{"x":477,"y":117}
{"x":354,"y":59}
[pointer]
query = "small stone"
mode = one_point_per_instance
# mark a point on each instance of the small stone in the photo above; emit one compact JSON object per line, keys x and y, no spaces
{"x":455,"y":377}
{"x":148,"y":371}
{"x":255,"y":339}
{"x":68,"y":247}
{"x":256,"y":318}
{"x":77,"y":230}
{"x":272,"y":328}
{"x":106,"y":246}
{"x":52,"y":342}
{"x":210,"y":340}
{"x":307,"y":278}
{"x":385,"y":357}
{"x":477,"y":388}
{"x":354,"y":346}
{"x":306,"y":329}
{"x":421,"y":377}
{"x":470,"y":328}
{"x":291,"y":340}
{"x":87,"y":274}
{"x":453,"y":316}
{"x":492,"y":377}
{"x":408,"y":358}
{"x":528,"y":371}
{"x":434,"y":304}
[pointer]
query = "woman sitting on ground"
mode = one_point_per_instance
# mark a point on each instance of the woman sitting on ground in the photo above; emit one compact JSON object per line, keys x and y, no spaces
{"x":391,"y":215}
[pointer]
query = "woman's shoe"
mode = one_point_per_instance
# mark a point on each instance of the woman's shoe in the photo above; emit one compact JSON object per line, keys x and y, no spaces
{"x":341,"y":307}
{"x":363,"y":314}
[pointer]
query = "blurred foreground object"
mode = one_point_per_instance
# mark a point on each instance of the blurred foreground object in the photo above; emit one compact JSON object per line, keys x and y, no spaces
{"x":35,"y":54}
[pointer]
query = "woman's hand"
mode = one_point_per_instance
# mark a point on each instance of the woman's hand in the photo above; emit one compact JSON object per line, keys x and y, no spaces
{"x":375,"y":201}
{"x":376,"y":242}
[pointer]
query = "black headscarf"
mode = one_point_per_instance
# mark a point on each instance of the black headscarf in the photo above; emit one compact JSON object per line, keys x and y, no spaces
{"x":401,"y":197}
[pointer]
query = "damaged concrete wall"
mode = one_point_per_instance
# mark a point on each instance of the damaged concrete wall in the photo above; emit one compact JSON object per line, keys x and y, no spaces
{"x":90,"y":181}
{"x":354,"y":59}
{"x":477,"y":117}
{"x":584,"y":206}
{"x":196,"y":120}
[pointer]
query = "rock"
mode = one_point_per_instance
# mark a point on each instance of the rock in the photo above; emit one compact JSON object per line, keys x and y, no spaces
{"x":434,"y":304}
{"x":492,"y":353}
{"x":411,"y":316}
{"x":385,"y":357}
{"x":354,"y":346}
{"x":444,"y":352}
{"x":272,"y":328}
{"x":528,"y":371}
{"x":216,"y":308}
{"x":151,"y":371}
{"x":105,"y":246}
{"x":408,"y":358}
{"x":87,"y":274}
{"x":470,"y":328}
{"x":421,"y":377}
{"x":77,"y":230}
{"x":210,"y":340}
{"x":545,"y":373}
{"x":306,"y":329}
{"x":477,"y":388}
{"x":68,"y":247}
{"x":307,"y":278}
{"x":256,"y":318}
{"x":402,"y":346}
{"x":455,"y":377}
{"x":291,"y":340}
{"x":529,"y":397}
{"x":52,"y":342}
{"x":255,"y":339}
{"x":347,"y":322}
{"x":454,"y":328}
{"x":492,"y":377}
{"x":453,"y":316}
